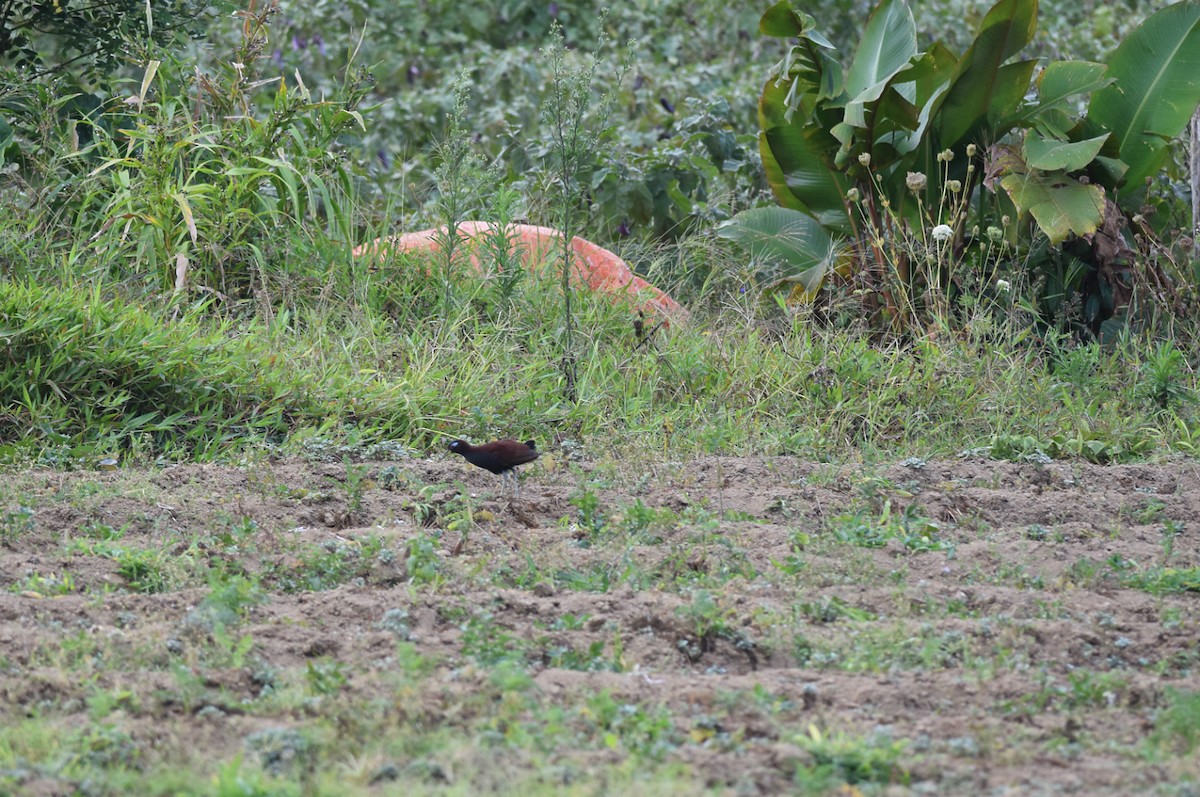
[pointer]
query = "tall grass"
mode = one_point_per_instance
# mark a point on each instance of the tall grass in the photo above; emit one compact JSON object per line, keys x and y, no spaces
{"x":187,"y":291}
{"x":86,"y":372}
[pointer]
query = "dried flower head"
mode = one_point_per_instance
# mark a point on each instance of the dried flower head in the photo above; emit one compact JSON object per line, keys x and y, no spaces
{"x":852,"y":195}
{"x":865,"y":159}
{"x":915,"y":181}
{"x":971,"y":150}
{"x":954,"y":185}
{"x":942,"y":232}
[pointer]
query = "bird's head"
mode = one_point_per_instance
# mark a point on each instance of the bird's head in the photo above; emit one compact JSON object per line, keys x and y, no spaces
{"x":458,"y":445}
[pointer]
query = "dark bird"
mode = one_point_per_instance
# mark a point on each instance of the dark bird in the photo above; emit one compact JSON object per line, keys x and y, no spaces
{"x":499,"y":457}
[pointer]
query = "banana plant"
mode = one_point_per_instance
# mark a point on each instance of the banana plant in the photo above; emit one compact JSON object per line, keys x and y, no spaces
{"x":868,"y":151}
{"x":1154,"y":92}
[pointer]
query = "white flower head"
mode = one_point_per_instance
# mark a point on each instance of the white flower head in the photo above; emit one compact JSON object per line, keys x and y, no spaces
{"x":1004,"y":285}
{"x":942,"y":232}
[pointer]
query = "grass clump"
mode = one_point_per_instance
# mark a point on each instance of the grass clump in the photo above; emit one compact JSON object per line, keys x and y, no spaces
{"x":86,"y":374}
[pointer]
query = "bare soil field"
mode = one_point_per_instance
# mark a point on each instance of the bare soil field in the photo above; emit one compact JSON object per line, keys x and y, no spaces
{"x":737,"y":625}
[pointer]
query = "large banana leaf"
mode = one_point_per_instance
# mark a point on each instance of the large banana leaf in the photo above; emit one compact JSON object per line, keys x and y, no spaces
{"x":1048,"y":154}
{"x":1055,"y":112}
{"x":1061,"y":80}
{"x":930,"y":76}
{"x":801,"y":174}
{"x":887,"y":45}
{"x":1157,"y":89}
{"x":983,"y":89}
{"x":799,"y":83}
{"x":1060,"y":205}
{"x":791,"y":247}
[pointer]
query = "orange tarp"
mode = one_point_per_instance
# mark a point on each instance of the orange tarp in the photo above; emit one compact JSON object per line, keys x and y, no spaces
{"x":595,"y":266}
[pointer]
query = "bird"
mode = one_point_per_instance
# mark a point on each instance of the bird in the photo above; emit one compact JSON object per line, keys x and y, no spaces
{"x":500,"y":457}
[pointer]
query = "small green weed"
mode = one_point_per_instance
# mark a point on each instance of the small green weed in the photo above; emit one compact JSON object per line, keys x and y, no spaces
{"x":325,"y":676}
{"x":486,"y":642}
{"x":228,"y":602}
{"x":329,"y":565}
{"x":832,"y":608}
{"x":422,"y":563}
{"x":15,"y":522}
{"x":1088,"y":689}
{"x":356,"y":485}
{"x":1164,"y":379}
{"x":226,"y":650}
{"x":589,"y":659}
{"x":642,"y":731}
{"x":144,"y":571}
{"x":1177,"y":727}
{"x":102,"y":702}
{"x":49,"y":584}
{"x":843,"y":758}
{"x":909,"y":526}
{"x":1165,"y":580}
{"x":591,"y":517}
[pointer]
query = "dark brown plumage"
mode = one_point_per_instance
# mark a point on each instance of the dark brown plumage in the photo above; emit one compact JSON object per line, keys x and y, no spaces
{"x":498,"y":457}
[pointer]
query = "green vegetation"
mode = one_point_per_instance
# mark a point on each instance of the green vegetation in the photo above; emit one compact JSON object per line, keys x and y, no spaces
{"x":930,"y":261}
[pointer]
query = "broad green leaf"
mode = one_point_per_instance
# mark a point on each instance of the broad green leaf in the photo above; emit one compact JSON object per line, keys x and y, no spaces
{"x":930,"y":76}
{"x":1012,"y":84}
{"x":783,"y":20}
{"x":980,"y":83}
{"x":803,"y":158}
{"x":798,"y":83}
{"x":1060,"y":205}
{"x":887,"y":45}
{"x":1157,"y":89}
{"x":1115,"y":167}
{"x":1061,"y":80}
{"x":931,"y":73}
{"x":1050,"y":155}
{"x":794,"y":246}
{"x":777,"y":179}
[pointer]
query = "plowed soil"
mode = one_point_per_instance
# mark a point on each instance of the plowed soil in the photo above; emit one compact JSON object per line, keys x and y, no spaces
{"x":755,"y":626}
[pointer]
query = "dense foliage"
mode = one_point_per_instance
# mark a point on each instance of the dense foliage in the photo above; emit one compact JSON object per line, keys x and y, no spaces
{"x":87,"y":38}
{"x":219,"y":191}
{"x":930,"y":161}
